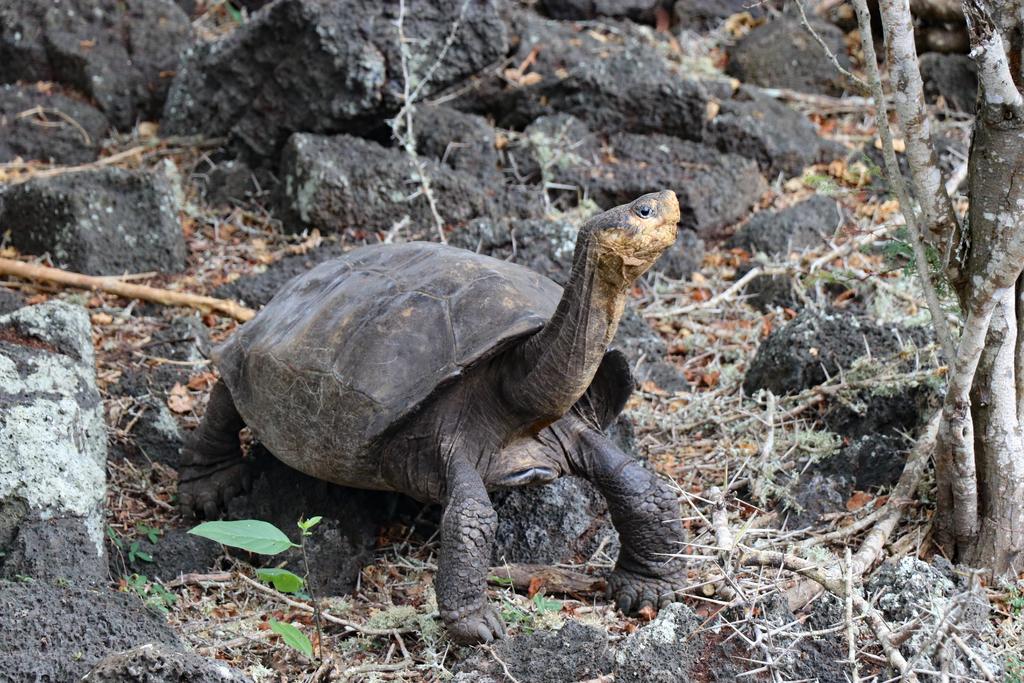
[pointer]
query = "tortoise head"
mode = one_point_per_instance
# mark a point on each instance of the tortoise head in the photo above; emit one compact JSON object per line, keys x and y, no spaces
{"x":631,"y":237}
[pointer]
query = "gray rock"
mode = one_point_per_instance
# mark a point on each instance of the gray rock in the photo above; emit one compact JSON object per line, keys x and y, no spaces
{"x":666,"y":650}
{"x":155,"y":663}
{"x":350,"y":185}
{"x":78,"y":217}
{"x":64,"y":131}
{"x":953,"y":77}
{"x":120,"y":55}
{"x":701,"y":15}
{"x":647,"y":353}
{"x":801,"y":226}
{"x":911,"y":591}
{"x":52,"y":434}
{"x":759,"y":127}
{"x":324,"y":67}
{"x":464,"y":142}
{"x":782,"y":53}
{"x":564,"y":521}
{"x":575,"y":652}
{"x":55,"y":633}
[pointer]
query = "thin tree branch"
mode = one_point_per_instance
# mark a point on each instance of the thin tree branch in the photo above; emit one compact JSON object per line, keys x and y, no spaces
{"x":940,"y":220}
{"x":899,"y":185}
{"x":31,"y":271}
{"x":837,"y":586}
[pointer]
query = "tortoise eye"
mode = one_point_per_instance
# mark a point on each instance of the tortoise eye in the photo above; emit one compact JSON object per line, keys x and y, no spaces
{"x":644,"y":211}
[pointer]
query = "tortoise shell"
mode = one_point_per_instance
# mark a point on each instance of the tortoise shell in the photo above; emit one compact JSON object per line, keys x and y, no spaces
{"x":348,"y":350}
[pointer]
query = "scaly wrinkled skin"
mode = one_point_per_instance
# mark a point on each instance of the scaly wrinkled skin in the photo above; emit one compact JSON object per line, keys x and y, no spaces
{"x":467,"y":534}
{"x":213,"y":471}
{"x":645,"y":512}
{"x":528,"y":414}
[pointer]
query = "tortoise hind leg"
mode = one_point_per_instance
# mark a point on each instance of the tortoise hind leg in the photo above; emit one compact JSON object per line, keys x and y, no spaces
{"x":212,"y":471}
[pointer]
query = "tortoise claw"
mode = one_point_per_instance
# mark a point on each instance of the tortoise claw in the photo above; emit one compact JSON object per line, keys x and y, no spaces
{"x":633,"y":591}
{"x":479,"y":626}
{"x":203,"y":493}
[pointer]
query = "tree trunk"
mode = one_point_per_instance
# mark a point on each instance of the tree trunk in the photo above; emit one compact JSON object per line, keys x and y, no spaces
{"x":980,"y":463}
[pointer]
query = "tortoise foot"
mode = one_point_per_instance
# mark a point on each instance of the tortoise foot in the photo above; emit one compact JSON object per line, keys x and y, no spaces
{"x":206,"y":491}
{"x":481,"y":625}
{"x":633,"y":592}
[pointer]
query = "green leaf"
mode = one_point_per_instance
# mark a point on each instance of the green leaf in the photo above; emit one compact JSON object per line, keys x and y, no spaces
{"x":248,"y":534}
{"x":292,"y":637}
{"x":307,"y":524}
{"x":545,"y":605}
{"x":283,"y":580}
{"x":500,"y":580}
{"x":233,"y":12}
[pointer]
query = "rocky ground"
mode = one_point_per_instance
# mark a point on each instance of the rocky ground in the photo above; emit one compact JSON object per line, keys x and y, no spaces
{"x":782,"y":351}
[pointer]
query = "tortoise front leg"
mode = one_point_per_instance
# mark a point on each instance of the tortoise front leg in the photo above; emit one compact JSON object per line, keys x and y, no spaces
{"x":645,"y":512}
{"x":467,"y":534}
{"x":212,"y":470}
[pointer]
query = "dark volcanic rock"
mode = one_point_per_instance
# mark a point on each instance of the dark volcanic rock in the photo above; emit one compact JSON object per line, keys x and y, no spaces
{"x":608,"y":84}
{"x":78,"y":217}
{"x":47,"y":126}
{"x":465,"y":142}
{"x":255,"y":290}
{"x":701,"y":15}
{"x":343,"y":541}
{"x":544,"y":245}
{"x":120,"y":55}
{"x":10,"y":301}
{"x":324,"y":67}
{"x":795,"y":228}
{"x":683,"y":258}
{"x":954,"y":77}
{"x":575,"y":652}
{"x":714,"y":189}
{"x":233,"y":183}
{"x":783,"y":54}
{"x":817,"y":345}
{"x":82,"y":625}
{"x":176,"y":552}
{"x":564,"y":521}
{"x":347,"y":184}
{"x":779,"y":139}
{"x":637,"y":10}
{"x":621,"y":84}
{"x":154,"y":663}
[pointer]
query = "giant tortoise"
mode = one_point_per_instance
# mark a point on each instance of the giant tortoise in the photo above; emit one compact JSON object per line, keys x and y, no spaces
{"x":443,"y":374}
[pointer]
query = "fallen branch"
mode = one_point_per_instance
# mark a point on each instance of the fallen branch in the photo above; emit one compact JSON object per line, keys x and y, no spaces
{"x":112,"y":285}
{"x":525,"y":577}
{"x":837,"y":586}
{"x":350,"y":625}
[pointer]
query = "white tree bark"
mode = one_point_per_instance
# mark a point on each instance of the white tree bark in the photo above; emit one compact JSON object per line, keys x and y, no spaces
{"x":941,"y":225}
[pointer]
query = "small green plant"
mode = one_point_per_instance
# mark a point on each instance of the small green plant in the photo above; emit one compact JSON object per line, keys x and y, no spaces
{"x":545,"y":605}
{"x":263,"y":538}
{"x":1014,"y":669}
{"x":152,"y":593}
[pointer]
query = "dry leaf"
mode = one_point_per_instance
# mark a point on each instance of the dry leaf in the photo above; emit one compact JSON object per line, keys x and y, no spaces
{"x":180,"y":401}
{"x":858,"y":500}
